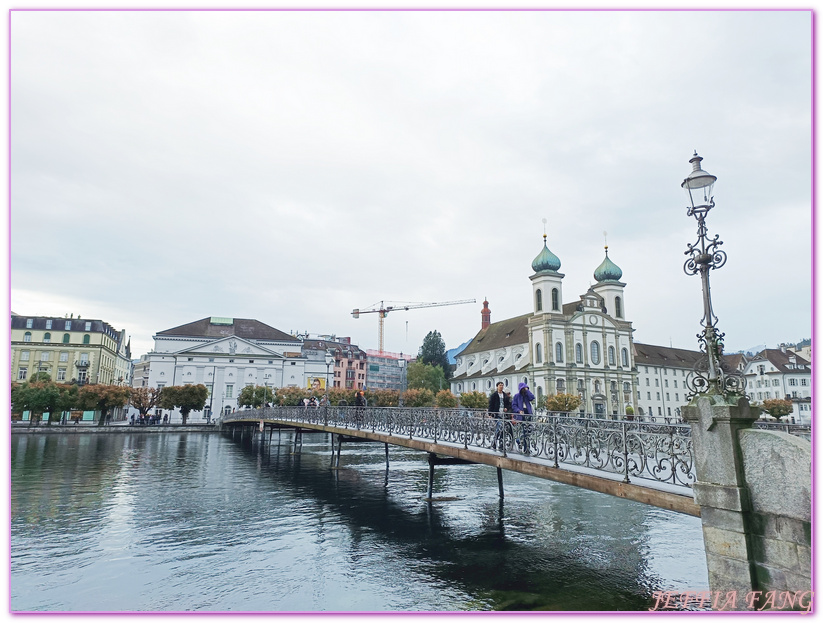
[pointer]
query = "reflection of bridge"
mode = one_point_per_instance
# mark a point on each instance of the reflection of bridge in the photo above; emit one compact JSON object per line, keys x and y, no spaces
{"x":644,"y":462}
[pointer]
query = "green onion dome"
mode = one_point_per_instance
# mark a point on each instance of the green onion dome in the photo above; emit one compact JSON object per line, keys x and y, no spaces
{"x":546,"y":260}
{"x":608,"y":270}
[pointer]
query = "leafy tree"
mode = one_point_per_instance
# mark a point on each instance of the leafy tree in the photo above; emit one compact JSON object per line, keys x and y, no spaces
{"x":187,"y":398}
{"x":418,"y":398}
{"x":144,"y":399}
{"x":383,"y":397}
{"x":777,"y":407}
{"x":474,"y":400}
{"x":336,"y":394}
{"x":255,"y":396}
{"x":445,"y":399}
{"x":40,"y":376}
{"x":433,"y":351}
{"x":563,"y":402}
{"x":290,"y":396}
{"x":102,"y":398}
{"x":629,"y":410}
{"x":426,"y":376}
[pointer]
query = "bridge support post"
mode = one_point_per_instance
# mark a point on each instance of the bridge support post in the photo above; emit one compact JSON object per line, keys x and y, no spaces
{"x":387,"y":455}
{"x":724,"y":498}
{"x":430,"y":493}
{"x":500,"y":482}
{"x":339,"y":445}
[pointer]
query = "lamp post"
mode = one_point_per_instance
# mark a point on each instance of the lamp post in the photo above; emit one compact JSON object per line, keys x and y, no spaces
{"x":710,"y":375}
{"x":401,"y":363}
{"x":329,"y":361}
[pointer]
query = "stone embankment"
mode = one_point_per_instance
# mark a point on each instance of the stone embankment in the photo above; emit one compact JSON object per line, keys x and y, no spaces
{"x":113,"y":429}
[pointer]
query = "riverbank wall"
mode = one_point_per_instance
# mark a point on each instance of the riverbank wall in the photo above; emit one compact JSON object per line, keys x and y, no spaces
{"x":114,"y":429}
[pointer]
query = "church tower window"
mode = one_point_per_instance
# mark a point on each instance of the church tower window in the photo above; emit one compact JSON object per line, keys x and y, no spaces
{"x":625,"y":356}
{"x":612,"y":361}
{"x":595,"y":352}
{"x":578,"y":353}
{"x":558,"y":352}
{"x":555,"y":300}
{"x":538,"y":302}
{"x":538,"y":354}
{"x":618,"y":307}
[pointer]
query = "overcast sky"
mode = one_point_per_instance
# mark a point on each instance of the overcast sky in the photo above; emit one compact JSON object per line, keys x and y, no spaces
{"x":291,"y":166}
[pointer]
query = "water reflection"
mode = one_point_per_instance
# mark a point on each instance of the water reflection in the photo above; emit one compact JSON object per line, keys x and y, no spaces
{"x":198,"y":522}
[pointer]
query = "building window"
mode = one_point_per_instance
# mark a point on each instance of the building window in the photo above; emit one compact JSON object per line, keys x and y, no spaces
{"x":792,"y":382}
{"x":802,"y":382}
{"x":64,"y":356}
{"x":189,"y":358}
{"x":647,"y":381}
{"x":61,"y":374}
{"x":657,"y":382}
{"x":658,"y":395}
{"x":86,"y":339}
{"x":677,"y":397}
{"x":666,"y":382}
{"x":47,"y":338}
{"x":558,"y":352}
{"x":24,"y":355}
{"x":648,"y":395}
{"x":45,"y":356}
{"x":618,"y":307}
{"x":66,"y":338}
{"x":84,"y":357}
{"x":612,"y":361}
{"x":595,"y":352}
{"x":580,"y":385}
{"x":675,"y":383}
{"x":538,"y":300}
{"x":229,"y":391}
{"x":21,"y":374}
{"x":29,"y":323}
{"x":555,"y":299}
{"x":538,"y":354}
{"x":68,"y":325}
{"x":578,"y":353}
{"x":48,"y":323}
{"x":88,"y":326}
{"x":625,"y":356}
{"x":561,"y":385}
{"x":27,"y":336}
{"x":667,"y":395}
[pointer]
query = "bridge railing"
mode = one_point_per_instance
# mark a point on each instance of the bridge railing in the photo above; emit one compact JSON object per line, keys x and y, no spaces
{"x":644,"y":450}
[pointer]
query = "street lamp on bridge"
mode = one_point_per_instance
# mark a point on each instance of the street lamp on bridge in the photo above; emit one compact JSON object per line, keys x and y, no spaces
{"x":711,"y":374}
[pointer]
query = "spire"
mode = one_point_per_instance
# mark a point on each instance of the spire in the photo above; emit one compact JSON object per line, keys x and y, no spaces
{"x":608,"y":270}
{"x":546,"y":260}
{"x":485,"y":316}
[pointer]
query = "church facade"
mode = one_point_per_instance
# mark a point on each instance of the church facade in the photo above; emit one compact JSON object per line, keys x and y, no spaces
{"x":581,"y":346}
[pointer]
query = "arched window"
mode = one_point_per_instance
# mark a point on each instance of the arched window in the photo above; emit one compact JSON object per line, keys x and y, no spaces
{"x":627,"y":387}
{"x":595,"y":352}
{"x":618,"y":307}
{"x":86,"y":339}
{"x":538,"y":354}
{"x":561,"y":385}
{"x":27,"y":336}
{"x":624,"y":355}
{"x":612,"y":361}
{"x":47,"y":338}
{"x":580,"y":385}
{"x":613,"y":386}
{"x":488,"y":384}
{"x":474,"y":386}
{"x":578,"y":353}
{"x":538,"y":300}
{"x":555,"y":300}
{"x":558,"y":352}
{"x":66,"y":338}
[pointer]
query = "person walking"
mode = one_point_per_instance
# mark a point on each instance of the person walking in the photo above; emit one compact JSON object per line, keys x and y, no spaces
{"x":500,"y":406}
{"x":359,"y":402}
{"x":522,"y":410}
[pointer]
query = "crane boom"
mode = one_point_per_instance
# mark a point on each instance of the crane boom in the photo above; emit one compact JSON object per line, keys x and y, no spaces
{"x":383,"y":310}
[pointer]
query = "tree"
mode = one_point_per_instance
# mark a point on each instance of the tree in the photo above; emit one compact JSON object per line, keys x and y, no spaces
{"x":102,"y":398}
{"x":291,"y":396}
{"x":433,"y":351}
{"x":255,"y":396}
{"x":445,"y":399}
{"x":426,"y":376}
{"x":474,"y":400}
{"x":777,"y":407}
{"x":563,"y":402}
{"x":187,"y":398}
{"x":383,"y":397}
{"x":144,"y":399}
{"x":40,"y":376}
{"x":418,"y":398}
{"x":629,"y":410}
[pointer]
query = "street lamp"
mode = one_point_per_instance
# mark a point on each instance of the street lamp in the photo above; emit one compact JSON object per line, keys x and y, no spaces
{"x":711,"y":374}
{"x":329,"y":361}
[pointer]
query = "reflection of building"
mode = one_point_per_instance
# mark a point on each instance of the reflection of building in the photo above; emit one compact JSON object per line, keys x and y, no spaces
{"x":385,"y":370}
{"x":69,"y":349}
{"x":780,"y":373}
{"x":225,"y":355}
{"x":582,"y":347}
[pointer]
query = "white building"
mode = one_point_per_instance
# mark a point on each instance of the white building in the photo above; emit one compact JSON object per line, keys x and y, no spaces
{"x":583,"y":346}
{"x":224,"y":354}
{"x":781,"y":373}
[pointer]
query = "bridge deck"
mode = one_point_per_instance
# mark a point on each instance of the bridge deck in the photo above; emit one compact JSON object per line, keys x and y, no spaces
{"x":659,"y":494}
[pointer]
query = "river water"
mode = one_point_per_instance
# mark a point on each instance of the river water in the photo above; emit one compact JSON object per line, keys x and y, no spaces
{"x":196,"y":522}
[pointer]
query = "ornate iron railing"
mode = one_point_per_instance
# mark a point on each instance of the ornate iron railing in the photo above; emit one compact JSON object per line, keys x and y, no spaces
{"x":640,"y":450}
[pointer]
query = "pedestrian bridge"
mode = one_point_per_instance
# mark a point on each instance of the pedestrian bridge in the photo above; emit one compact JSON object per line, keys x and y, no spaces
{"x":645,"y":462}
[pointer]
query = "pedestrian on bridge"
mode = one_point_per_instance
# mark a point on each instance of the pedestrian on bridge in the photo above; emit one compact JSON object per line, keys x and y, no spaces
{"x":500,"y":407}
{"x":522,"y":409}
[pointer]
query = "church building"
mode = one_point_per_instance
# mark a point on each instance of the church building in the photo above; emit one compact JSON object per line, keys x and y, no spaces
{"x":582,"y":346}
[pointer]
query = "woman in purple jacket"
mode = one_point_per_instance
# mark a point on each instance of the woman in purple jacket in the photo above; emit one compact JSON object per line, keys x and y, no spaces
{"x":522,"y":410}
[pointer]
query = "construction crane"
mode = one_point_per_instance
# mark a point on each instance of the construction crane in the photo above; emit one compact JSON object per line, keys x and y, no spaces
{"x":383,"y":310}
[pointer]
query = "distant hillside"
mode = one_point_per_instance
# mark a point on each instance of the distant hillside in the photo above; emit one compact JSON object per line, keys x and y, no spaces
{"x":456,"y":351}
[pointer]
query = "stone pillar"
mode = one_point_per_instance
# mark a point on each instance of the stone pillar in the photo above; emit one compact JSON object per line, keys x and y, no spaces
{"x":721,"y":492}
